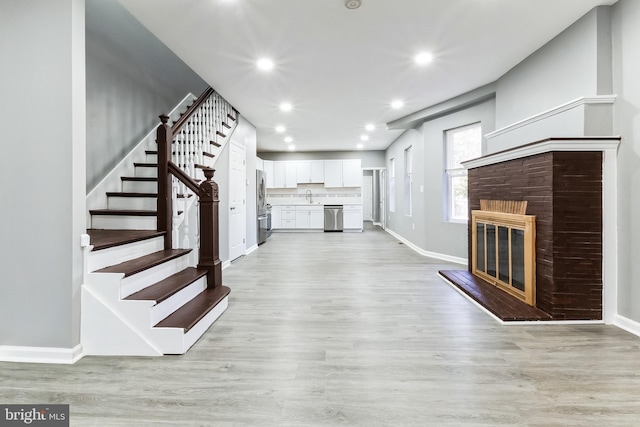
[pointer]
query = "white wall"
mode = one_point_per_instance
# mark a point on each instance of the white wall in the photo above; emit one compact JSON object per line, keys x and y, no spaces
{"x":626,"y":66}
{"x":43,"y":171}
{"x":369,"y":159}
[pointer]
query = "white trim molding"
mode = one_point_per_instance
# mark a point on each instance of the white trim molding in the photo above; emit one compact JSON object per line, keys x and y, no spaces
{"x":443,"y":257}
{"x":578,"y":102}
{"x":627,"y":324}
{"x":62,"y":356}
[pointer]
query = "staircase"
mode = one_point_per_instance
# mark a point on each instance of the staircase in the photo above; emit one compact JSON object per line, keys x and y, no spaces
{"x":144,"y":293}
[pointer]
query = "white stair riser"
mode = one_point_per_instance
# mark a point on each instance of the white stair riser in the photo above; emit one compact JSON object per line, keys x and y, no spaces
{"x":117,"y":254}
{"x":137,"y":203}
{"x":118,"y":222}
{"x":146,"y":172}
{"x":168,"y":306}
{"x":139,"y":281}
{"x":151,"y":158}
{"x":140,"y":186}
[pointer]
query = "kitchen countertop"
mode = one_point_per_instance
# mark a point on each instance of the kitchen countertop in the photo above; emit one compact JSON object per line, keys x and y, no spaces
{"x":300,"y":201}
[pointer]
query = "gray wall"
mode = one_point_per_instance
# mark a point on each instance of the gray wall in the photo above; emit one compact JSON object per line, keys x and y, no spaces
{"x":427,"y":227}
{"x":132,"y":78}
{"x":370,"y":159}
{"x":43,"y":85}
{"x":626,"y":65}
{"x":562,"y":70}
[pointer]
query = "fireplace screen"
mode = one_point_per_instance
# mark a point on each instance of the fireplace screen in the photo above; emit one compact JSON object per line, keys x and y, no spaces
{"x":504,"y":251}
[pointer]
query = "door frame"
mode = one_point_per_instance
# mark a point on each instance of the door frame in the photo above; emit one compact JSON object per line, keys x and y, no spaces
{"x":382,"y":188}
{"x":243,"y":223}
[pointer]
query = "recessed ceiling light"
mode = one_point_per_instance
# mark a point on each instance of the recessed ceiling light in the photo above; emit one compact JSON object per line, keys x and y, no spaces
{"x":364,"y":137}
{"x":280,"y":128}
{"x":265,"y":64}
{"x":288,"y":139}
{"x":360,"y":146}
{"x":423,"y":58}
{"x":286,"y":106}
{"x":292,"y":147}
{"x":370,"y":127}
{"x":397,"y":104}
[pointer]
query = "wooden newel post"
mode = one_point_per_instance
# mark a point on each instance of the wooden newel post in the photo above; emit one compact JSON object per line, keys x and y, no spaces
{"x":209,"y":230}
{"x":164,"y":138}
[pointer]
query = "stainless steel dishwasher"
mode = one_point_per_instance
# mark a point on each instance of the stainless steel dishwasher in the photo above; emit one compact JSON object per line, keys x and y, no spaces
{"x":333,"y":220}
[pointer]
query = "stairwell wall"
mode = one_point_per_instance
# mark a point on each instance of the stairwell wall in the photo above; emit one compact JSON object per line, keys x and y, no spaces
{"x":132,"y":78}
{"x":44,"y":209}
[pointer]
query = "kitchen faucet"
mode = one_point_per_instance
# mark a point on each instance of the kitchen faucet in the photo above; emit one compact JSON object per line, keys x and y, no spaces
{"x":308,"y":196}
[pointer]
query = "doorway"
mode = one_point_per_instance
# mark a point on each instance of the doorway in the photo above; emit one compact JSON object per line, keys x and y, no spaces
{"x":373,"y":196}
{"x":237,"y":197}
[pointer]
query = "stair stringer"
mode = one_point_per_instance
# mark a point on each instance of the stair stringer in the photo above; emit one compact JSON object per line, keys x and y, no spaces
{"x":112,"y":326}
{"x":116,"y":327}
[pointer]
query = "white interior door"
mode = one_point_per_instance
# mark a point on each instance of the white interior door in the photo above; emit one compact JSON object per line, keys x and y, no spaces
{"x":237,"y":197}
{"x":367,"y":198}
{"x":383,"y":197}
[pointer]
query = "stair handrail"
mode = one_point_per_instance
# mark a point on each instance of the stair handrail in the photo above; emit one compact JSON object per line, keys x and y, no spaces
{"x":184,"y":118}
{"x":208,"y":195}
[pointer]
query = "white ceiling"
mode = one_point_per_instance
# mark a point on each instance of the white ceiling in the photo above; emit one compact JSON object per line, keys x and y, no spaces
{"x":341,"y":68}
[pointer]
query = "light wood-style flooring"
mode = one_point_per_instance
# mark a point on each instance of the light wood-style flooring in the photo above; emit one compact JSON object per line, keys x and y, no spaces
{"x":329,"y":329}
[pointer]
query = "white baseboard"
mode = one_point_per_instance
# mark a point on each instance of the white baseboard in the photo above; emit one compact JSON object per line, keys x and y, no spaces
{"x":226,"y":264}
{"x":422,"y":252}
{"x":62,"y":356}
{"x":251,"y":249}
{"x":627,"y":324}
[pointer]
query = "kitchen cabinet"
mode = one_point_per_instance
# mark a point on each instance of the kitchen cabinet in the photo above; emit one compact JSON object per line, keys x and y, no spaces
{"x":352,"y":217}
{"x":284,"y":174}
{"x":309,"y":171}
{"x":333,"y":173}
{"x":268,"y":170}
{"x":310,"y":217}
{"x":287,"y":216}
{"x":351,"y":173}
{"x":276,"y":217}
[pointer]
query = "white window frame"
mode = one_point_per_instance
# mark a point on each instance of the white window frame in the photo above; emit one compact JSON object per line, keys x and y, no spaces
{"x":392,"y":184}
{"x":408,"y":177}
{"x":453,"y":171}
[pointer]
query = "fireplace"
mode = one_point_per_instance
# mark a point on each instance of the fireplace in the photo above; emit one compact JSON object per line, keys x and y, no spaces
{"x":503,"y":247}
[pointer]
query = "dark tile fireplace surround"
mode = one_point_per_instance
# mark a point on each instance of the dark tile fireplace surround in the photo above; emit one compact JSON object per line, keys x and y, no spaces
{"x":564,"y":191}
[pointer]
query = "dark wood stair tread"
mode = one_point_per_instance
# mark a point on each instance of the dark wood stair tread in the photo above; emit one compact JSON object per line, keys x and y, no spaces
{"x":192,"y":312}
{"x":145,"y":262}
{"x":214,"y":143}
{"x":226,"y":125}
{"x":139,"y":178}
{"x":221,"y":134}
{"x":103,"y":239}
{"x":164,"y":289}
{"x":204,"y":153}
{"x":231,"y":117}
{"x":145,"y":165}
{"x":505,"y":306}
{"x":124,"y":212}
{"x":151,"y":152}
{"x":129,"y":194}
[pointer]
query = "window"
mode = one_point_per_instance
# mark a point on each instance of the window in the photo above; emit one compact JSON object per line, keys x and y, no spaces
{"x":392,"y":185}
{"x":407,"y":180}
{"x":461,"y":144}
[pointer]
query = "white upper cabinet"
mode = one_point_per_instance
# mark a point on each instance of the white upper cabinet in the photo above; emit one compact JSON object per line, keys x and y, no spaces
{"x":268,"y":170}
{"x":351,"y":173}
{"x":333,"y":173}
{"x":284,"y":175}
{"x":310,"y":171}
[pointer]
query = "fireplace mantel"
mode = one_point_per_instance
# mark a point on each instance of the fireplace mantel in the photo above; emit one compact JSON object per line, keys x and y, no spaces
{"x":599,"y":143}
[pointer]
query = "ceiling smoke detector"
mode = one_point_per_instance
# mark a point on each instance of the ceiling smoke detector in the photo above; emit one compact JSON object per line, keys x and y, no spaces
{"x":352,"y":4}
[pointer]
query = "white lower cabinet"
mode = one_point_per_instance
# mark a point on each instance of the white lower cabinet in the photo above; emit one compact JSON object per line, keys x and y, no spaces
{"x":310,"y":217}
{"x":352,"y":217}
{"x":287,"y":217}
{"x":276,"y":217}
